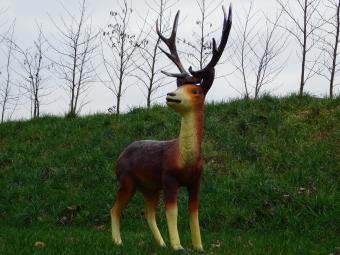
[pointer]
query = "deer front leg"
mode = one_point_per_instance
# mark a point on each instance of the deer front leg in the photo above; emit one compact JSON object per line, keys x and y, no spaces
{"x":193,"y":217}
{"x":170,"y":199}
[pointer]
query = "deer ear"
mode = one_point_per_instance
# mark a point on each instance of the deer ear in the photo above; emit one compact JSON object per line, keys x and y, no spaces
{"x":208,"y":80}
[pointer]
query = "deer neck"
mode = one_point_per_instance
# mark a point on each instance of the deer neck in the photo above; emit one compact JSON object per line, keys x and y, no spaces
{"x":190,"y":138}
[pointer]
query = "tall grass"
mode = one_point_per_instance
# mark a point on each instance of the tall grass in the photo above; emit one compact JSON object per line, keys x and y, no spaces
{"x":270,"y":183}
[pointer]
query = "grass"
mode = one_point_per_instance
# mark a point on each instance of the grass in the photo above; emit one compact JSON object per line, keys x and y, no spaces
{"x":270,"y":184}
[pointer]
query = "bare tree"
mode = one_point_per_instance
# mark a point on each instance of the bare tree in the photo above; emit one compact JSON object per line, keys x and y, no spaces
{"x":33,"y":64}
{"x":75,"y":48}
{"x":330,"y":39}
{"x":258,"y":53}
{"x":268,"y":61}
{"x":241,"y":53}
{"x":8,"y":97}
{"x":119,"y":44}
{"x":302,"y":26}
{"x":151,"y":63}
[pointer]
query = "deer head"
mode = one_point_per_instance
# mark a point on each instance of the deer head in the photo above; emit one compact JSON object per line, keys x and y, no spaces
{"x":193,"y":86}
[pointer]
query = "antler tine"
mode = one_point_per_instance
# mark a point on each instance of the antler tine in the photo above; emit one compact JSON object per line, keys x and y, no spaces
{"x":171,"y":43}
{"x":176,"y":75}
{"x":217,"y":51}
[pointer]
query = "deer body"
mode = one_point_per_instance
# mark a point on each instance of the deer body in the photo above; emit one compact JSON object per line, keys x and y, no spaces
{"x":180,"y":157}
{"x":155,"y":166}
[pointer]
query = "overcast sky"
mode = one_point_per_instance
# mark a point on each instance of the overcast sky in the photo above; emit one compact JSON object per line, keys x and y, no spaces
{"x":28,"y":13}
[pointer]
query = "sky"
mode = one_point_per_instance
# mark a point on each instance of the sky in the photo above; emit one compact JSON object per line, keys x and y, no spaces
{"x":30,"y":13}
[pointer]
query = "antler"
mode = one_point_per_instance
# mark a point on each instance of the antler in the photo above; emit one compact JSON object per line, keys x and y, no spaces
{"x":173,"y":56}
{"x":207,"y":74}
{"x":216,"y":52}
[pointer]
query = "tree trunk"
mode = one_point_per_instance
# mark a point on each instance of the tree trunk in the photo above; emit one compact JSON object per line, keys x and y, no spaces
{"x":118,"y":104}
{"x":335,"y":52}
{"x":304,"y":48}
{"x":6,"y":96}
{"x":148,"y":100}
{"x":3,"y":112}
{"x":303,"y":66}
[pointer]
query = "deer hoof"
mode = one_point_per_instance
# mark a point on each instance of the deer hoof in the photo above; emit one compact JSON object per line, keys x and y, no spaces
{"x":179,"y":248}
{"x":163,"y":245}
{"x":117,"y":242}
{"x":199,"y":249}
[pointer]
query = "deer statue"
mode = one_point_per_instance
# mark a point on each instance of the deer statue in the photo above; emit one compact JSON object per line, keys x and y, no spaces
{"x":152,"y":166}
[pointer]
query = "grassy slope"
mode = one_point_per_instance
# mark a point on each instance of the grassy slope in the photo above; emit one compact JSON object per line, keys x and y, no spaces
{"x":270,"y":185}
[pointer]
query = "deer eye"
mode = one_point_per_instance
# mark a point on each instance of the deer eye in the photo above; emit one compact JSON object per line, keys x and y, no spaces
{"x":196,"y":91}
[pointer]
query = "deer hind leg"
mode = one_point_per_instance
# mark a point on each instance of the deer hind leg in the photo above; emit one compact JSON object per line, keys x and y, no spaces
{"x":170,"y":198}
{"x":125,"y":192}
{"x":151,"y":203}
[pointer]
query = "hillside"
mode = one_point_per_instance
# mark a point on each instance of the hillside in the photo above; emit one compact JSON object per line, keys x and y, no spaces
{"x":270,"y":183}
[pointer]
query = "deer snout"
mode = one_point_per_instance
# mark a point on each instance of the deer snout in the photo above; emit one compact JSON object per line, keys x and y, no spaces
{"x":172,"y":98}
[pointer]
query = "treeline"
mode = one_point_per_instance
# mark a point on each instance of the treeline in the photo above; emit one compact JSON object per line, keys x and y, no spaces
{"x":127,"y":53}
